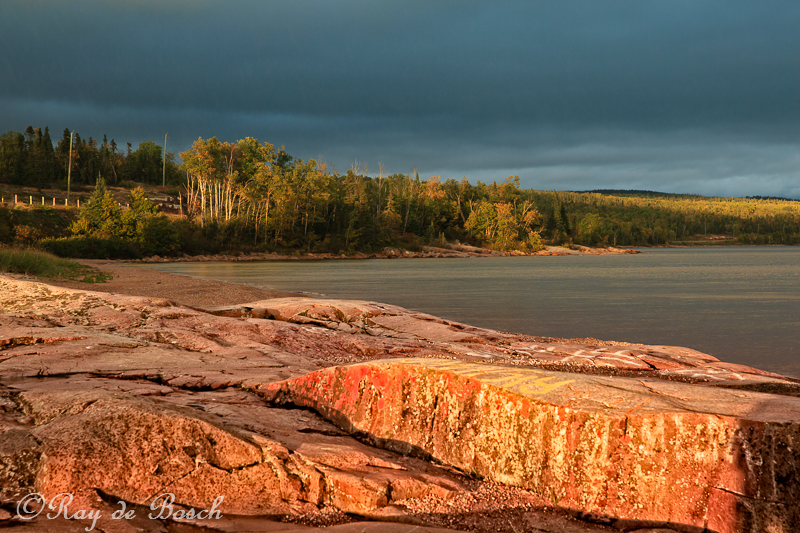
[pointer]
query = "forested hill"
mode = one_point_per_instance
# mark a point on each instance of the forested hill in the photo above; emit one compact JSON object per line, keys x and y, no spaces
{"x":657,"y":219}
{"x":249,"y":195}
{"x":656,"y":194}
{"x":31,"y":159}
{"x":637,"y":193}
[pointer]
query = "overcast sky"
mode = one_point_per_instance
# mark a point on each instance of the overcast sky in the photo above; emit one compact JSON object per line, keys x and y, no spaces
{"x":678,"y":96}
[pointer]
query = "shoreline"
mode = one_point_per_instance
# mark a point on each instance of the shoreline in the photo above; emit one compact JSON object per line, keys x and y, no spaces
{"x":311,"y":280}
{"x":233,"y":299}
{"x":456,"y":251}
{"x":430,"y":252}
{"x":136,"y":279}
{"x":130,"y":280}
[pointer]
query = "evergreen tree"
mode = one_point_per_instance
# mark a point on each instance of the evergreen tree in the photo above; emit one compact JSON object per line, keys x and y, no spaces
{"x":62,"y":153}
{"x":564,"y":224}
{"x":145,"y":164}
{"x":140,"y":208}
{"x":34,"y":157}
{"x":100,"y":216}
{"x":12,"y":157}
{"x":50,"y":169}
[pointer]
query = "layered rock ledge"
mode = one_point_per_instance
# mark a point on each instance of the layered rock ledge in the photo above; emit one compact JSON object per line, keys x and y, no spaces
{"x":305,"y":412}
{"x":636,"y":449}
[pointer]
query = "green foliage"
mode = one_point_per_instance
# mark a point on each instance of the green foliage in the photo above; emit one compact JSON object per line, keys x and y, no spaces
{"x":591,"y":229}
{"x":197,"y":240}
{"x":43,"y":264}
{"x":133,"y":221}
{"x":101,"y":216}
{"x":159,"y":237}
{"x":534,"y":242}
{"x":286,"y":203}
{"x":92,"y":248}
{"x":13,"y":157}
{"x":30,"y":159}
{"x":658,"y":219}
{"x":24,"y":225}
{"x":104,"y":230}
{"x":250,"y":195}
{"x":505,"y":226}
{"x":145,"y":164}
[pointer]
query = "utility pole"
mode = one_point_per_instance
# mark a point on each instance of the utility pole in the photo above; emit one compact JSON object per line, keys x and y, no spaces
{"x":164,"y":174}
{"x":69,"y":171}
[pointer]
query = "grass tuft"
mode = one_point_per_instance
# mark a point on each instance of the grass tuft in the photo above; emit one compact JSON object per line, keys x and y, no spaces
{"x":45,"y":265}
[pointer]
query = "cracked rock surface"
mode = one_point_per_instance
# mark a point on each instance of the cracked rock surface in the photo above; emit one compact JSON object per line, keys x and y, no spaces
{"x":122,"y":398}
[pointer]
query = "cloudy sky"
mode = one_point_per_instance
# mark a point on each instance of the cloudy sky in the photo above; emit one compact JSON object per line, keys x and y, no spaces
{"x":679,"y":96}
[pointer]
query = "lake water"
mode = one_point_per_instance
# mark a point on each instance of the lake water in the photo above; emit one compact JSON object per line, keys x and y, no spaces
{"x":739,"y":304}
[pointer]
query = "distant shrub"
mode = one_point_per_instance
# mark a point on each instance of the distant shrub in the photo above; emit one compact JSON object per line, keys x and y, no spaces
{"x":26,"y":235}
{"x":6,"y":226}
{"x":160,"y":237}
{"x":195,"y":240}
{"x":410,"y":242}
{"x":92,"y":248}
{"x":534,"y":242}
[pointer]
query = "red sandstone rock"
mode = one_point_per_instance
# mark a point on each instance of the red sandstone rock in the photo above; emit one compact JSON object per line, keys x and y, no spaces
{"x":127,"y":395}
{"x":637,"y":450}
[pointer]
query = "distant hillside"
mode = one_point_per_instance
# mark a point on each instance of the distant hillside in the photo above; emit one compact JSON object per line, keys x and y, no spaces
{"x":772,"y":198}
{"x":642,"y":218}
{"x":637,"y":193}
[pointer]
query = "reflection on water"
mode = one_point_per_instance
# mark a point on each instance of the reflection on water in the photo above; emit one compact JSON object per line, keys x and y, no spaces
{"x":739,"y":304}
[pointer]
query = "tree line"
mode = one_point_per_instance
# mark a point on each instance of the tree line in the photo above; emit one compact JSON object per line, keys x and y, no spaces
{"x":251,"y":195}
{"x":30,"y":159}
{"x":283,"y":202}
{"x":290,"y":203}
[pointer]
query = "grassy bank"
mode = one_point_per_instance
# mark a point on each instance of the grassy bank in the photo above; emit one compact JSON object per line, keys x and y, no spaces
{"x":45,"y":265}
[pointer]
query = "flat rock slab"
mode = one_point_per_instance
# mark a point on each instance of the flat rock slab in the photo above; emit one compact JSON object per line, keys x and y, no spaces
{"x":413,"y":331}
{"x":645,"y":450}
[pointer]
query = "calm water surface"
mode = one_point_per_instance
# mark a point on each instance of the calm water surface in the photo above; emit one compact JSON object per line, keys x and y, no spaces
{"x":739,"y":304}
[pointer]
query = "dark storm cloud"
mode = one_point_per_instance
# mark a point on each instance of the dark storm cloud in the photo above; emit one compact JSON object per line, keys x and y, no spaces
{"x":671,"y":95}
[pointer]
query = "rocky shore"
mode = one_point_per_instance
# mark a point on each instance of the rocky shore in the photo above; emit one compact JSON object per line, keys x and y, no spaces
{"x":284,"y":413}
{"x":427,"y":252}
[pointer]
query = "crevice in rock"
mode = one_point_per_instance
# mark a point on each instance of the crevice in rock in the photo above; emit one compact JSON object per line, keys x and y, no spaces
{"x":12,"y":342}
{"x":326,"y":432}
{"x":163,"y":489}
{"x":749,"y":498}
{"x":783,"y":389}
{"x":652,"y":366}
{"x":228,"y":470}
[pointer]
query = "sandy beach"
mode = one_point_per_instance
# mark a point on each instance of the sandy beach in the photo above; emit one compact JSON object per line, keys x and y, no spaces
{"x":136,"y":280}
